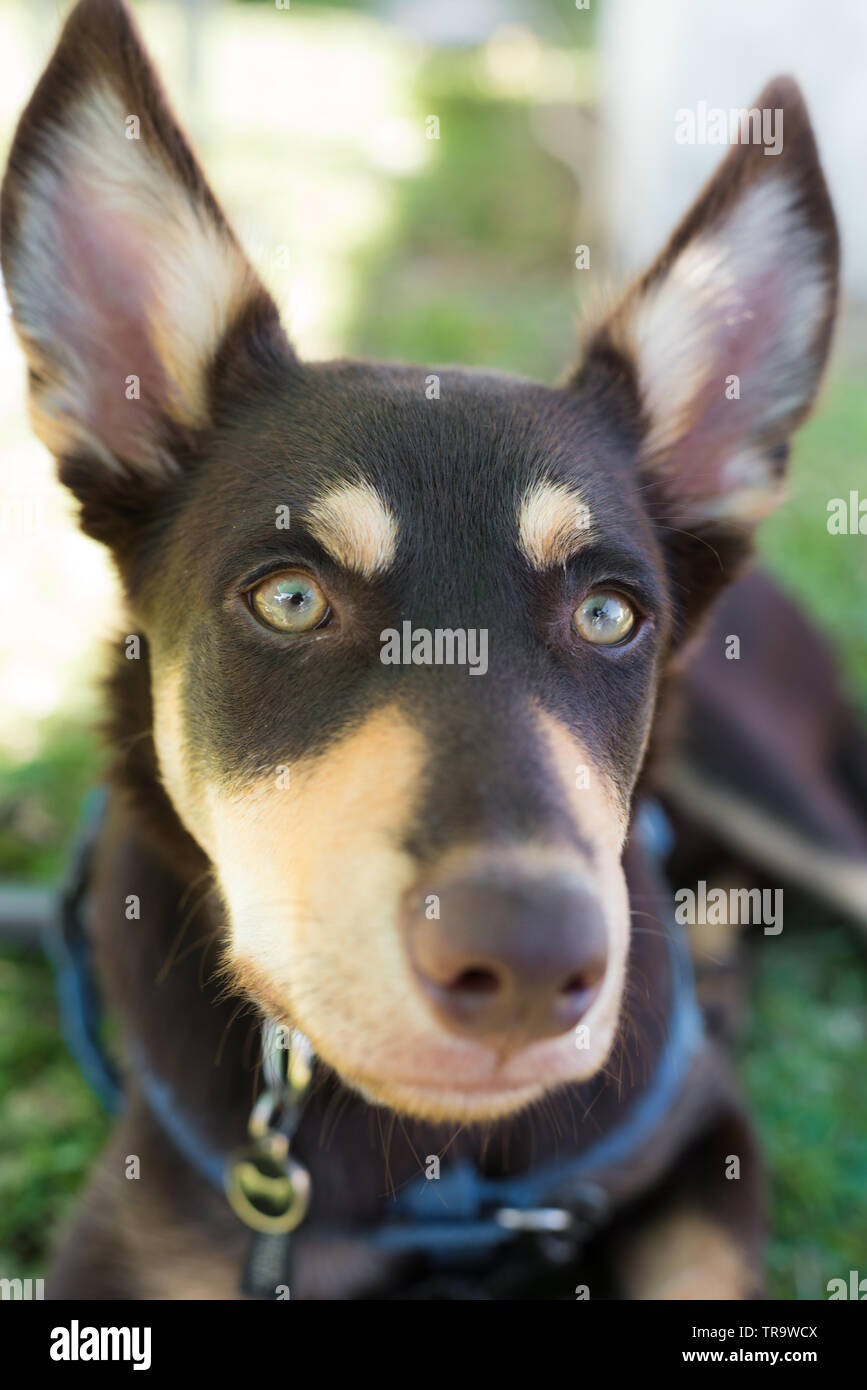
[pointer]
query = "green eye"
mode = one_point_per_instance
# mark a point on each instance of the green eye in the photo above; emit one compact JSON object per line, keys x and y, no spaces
{"x":604,"y":619}
{"x":289,"y":602}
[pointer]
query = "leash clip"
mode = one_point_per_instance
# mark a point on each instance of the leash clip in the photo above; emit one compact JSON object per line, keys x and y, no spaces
{"x":266,"y":1187}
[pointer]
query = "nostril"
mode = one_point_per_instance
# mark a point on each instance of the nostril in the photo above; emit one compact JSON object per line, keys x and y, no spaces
{"x":475,"y":980}
{"x":576,"y":984}
{"x":586,"y":977}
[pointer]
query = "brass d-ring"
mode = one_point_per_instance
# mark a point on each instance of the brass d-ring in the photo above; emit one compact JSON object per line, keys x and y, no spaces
{"x":269,"y":1191}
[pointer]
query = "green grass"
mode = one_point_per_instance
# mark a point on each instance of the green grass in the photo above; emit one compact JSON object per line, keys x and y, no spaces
{"x":803,"y":1060}
{"x":470,"y":273}
{"x":40,"y":801}
{"x":827,"y":573}
{"x":51,"y":1124}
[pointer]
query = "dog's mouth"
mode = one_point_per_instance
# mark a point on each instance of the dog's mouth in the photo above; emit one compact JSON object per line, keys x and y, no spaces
{"x":459,"y":1093}
{"x":465,"y":1104}
{"x":439,"y":1082}
{"x":423,"y":1071}
{"x":514,"y":990}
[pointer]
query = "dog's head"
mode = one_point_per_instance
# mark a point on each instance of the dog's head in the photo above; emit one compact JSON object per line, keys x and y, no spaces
{"x":405,"y":626}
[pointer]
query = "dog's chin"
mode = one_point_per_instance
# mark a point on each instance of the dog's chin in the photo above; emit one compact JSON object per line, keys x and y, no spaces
{"x":467,"y":1096}
{"x":468,"y":1085}
{"x":442,"y":1105}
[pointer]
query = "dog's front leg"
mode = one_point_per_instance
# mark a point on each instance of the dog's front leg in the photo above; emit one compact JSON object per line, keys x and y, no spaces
{"x":148,"y":1229}
{"x":703,"y":1238}
{"x":685,"y":1254}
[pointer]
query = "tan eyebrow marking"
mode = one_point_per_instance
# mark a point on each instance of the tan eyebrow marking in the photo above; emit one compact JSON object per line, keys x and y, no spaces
{"x":553,"y":523}
{"x":356,"y":527}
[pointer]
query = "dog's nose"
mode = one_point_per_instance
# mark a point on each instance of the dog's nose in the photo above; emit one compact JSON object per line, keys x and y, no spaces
{"x":509,"y":959}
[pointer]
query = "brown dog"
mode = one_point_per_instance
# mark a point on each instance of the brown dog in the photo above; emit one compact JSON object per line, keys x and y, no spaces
{"x":402,"y":663}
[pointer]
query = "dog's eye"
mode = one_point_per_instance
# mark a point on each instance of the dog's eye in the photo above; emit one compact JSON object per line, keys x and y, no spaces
{"x":289,"y":602}
{"x":605,"y":619}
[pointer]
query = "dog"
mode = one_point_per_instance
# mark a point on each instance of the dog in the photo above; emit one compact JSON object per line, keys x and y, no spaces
{"x":446,"y":879}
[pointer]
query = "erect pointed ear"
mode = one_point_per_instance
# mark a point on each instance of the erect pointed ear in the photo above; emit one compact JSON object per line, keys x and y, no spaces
{"x":127,"y":285}
{"x":722,"y":342}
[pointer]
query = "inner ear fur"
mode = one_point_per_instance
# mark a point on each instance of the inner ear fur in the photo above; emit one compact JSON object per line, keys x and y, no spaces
{"x":133,"y":300}
{"x":744,"y":292}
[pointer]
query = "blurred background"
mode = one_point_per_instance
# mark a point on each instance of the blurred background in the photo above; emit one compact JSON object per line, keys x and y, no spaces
{"x":412,"y":179}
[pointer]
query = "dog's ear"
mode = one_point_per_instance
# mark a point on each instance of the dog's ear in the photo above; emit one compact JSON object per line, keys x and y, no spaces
{"x":722,"y":342}
{"x":128,"y":288}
